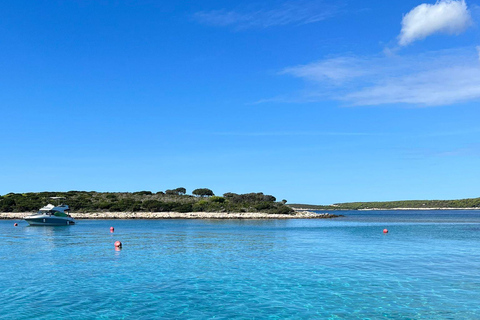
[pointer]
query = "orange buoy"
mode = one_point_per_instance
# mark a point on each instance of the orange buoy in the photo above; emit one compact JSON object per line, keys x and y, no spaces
{"x":112,"y":229}
{"x":118,"y":244}
{"x":385,"y":231}
{"x":15,"y":224}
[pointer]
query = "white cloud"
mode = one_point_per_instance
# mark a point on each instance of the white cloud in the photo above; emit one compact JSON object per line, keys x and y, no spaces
{"x":299,"y":12}
{"x":432,"y":79}
{"x":445,"y":16}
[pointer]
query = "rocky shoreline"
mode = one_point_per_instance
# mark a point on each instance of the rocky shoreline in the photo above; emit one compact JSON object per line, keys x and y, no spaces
{"x":178,"y":215}
{"x":391,"y":209}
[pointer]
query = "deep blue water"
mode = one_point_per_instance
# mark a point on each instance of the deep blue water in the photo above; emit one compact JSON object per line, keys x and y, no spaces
{"x":426,"y":267}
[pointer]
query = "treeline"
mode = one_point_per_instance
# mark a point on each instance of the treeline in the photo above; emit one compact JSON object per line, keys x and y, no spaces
{"x":408,"y":204}
{"x":171,"y":200}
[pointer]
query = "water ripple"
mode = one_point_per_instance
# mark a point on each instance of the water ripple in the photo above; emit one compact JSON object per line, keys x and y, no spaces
{"x":177,"y":269}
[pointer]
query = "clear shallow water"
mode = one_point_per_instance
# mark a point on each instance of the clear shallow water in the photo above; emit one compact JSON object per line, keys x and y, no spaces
{"x":426,"y":267}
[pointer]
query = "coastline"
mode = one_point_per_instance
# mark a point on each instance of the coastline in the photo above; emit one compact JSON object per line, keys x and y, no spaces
{"x":178,"y":215}
{"x":419,"y":209}
{"x":390,"y":209}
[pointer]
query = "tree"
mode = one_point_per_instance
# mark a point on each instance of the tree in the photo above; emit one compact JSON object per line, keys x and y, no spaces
{"x":181,"y":191}
{"x":143,"y":193}
{"x":176,"y":192}
{"x":203,"y":192}
{"x":269,"y":198}
{"x":233,"y":197}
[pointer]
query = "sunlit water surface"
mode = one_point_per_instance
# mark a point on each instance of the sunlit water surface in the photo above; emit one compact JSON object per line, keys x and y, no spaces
{"x":426,"y":267}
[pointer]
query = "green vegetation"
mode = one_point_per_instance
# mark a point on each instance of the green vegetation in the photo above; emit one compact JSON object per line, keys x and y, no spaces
{"x":175,"y":200}
{"x":176,"y":192}
{"x":407,"y":204}
{"x":203,"y":192}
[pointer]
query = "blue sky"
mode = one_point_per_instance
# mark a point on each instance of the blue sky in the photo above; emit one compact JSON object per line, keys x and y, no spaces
{"x":311,"y":101}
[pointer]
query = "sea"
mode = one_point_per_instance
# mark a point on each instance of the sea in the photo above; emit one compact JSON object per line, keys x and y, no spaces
{"x":426,"y":267}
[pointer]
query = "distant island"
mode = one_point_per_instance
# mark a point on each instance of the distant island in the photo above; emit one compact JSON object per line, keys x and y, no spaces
{"x":471,"y":203}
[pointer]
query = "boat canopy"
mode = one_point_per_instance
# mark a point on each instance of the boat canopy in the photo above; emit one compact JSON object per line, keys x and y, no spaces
{"x":47,"y":207}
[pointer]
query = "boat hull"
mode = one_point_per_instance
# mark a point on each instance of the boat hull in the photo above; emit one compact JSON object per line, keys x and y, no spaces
{"x":46,"y":220}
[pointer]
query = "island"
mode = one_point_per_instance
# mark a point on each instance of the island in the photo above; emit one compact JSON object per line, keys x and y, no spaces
{"x":168,"y":204}
{"x":460,"y":204}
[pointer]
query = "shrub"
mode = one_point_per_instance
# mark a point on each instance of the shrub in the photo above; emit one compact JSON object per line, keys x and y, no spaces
{"x":184,"y":207}
{"x":217,"y":199}
{"x":282,"y":210}
{"x":105,"y":205}
{"x":263,"y":206}
{"x":142,"y":193}
{"x":200,"y":205}
{"x":157,"y":206}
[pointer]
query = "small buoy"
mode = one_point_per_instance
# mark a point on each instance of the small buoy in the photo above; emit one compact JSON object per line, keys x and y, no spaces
{"x":112,"y":229}
{"x":118,"y":244}
{"x":15,"y":224}
{"x":385,"y":231}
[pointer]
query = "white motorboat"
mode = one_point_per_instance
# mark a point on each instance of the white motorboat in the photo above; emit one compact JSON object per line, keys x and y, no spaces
{"x":51,"y":215}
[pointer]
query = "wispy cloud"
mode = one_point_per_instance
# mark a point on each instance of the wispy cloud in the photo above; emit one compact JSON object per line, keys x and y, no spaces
{"x":431,"y":79}
{"x":430,"y":88}
{"x":336,"y":70}
{"x":291,"y":12}
{"x":445,"y":16}
{"x":470,"y":150}
{"x":292,"y":133}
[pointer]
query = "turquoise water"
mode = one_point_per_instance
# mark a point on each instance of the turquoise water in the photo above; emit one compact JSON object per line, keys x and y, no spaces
{"x":426,"y":267}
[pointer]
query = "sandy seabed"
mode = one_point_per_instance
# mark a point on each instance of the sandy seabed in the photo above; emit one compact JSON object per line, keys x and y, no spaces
{"x":178,"y":215}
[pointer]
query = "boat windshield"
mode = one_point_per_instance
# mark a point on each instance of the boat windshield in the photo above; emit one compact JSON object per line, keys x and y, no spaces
{"x":53,"y":213}
{"x":60,"y":214}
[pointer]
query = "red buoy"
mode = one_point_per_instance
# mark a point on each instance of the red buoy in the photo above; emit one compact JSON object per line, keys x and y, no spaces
{"x":112,"y":229}
{"x":15,"y":224}
{"x":118,"y":244}
{"x":385,"y":231}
